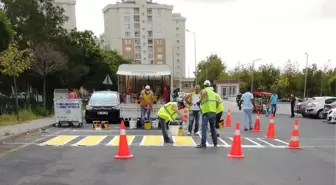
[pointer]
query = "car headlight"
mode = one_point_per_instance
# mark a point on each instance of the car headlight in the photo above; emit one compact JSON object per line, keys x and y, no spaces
{"x":88,"y":107}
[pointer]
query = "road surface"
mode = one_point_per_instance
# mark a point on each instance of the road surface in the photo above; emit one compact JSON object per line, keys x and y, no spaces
{"x":82,"y":156}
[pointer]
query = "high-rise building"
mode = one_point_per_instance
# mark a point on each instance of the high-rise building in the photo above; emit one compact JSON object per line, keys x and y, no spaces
{"x":69,"y":7}
{"x":146,"y":33}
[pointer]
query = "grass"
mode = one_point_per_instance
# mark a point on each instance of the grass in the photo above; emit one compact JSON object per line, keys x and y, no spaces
{"x":24,"y":115}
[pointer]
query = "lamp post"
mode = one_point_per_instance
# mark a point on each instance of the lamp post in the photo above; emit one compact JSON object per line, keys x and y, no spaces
{"x":253,"y":72}
{"x":305,"y":84}
{"x":194,"y":50}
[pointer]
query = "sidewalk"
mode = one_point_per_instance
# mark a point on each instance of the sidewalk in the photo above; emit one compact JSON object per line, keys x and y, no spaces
{"x":10,"y":131}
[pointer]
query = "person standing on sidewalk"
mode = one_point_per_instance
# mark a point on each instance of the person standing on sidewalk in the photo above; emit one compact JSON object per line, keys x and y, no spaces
{"x":248,"y":105}
{"x":192,"y":99}
{"x":274,"y":101}
{"x":293,"y":100}
{"x":208,"y":109}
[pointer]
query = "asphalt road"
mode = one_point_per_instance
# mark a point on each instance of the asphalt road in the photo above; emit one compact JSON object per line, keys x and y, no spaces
{"x":82,"y":156}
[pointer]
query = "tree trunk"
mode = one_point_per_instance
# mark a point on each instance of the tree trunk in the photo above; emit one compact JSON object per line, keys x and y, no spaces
{"x":16,"y":101}
{"x":44,"y":92}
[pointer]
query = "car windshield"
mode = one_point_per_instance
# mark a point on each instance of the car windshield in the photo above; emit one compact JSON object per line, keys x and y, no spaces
{"x":104,"y":97}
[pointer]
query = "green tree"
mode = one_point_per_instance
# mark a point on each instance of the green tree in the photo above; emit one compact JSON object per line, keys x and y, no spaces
{"x":13,"y":62}
{"x":6,"y":31}
{"x":210,"y":69}
{"x":47,"y":60}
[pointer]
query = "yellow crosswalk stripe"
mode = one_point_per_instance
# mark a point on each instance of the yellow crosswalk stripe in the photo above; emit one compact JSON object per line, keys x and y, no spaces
{"x":115,"y":141}
{"x":183,"y":141}
{"x":90,"y":141}
{"x":59,"y":140}
{"x":152,"y":140}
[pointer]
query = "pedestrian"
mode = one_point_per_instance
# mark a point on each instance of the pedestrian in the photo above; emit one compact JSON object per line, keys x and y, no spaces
{"x":248,"y":104}
{"x":146,"y":102}
{"x":293,"y":100}
{"x":274,"y":101}
{"x":192,"y":99}
{"x":168,"y":113}
{"x":72,"y":94}
{"x":219,"y":112}
{"x":208,"y":110}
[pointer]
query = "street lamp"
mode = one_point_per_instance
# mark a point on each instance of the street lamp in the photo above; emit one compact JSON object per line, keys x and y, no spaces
{"x":194,"y":50}
{"x":253,"y":72}
{"x":305,"y":84}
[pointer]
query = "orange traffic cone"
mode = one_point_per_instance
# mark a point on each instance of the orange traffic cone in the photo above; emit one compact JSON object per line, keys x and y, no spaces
{"x":123,"y":150}
{"x":294,"y":142}
{"x":236,"y":148}
{"x":256,"y":127}
{"x":271,"y":128}
{"x":228,"y":119}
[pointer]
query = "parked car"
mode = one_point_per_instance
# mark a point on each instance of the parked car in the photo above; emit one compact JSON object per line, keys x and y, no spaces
{"x":315,"y":108}
{"x":331,"y":117}
{"x":103,"y":106}
{"x":327,"y":108}
{"x":300,"y":107}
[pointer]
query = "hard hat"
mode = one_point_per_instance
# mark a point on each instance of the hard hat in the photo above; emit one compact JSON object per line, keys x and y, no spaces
{"x":212,"y":88}
{"x":147,"y":87}
{"x":207,"y":83}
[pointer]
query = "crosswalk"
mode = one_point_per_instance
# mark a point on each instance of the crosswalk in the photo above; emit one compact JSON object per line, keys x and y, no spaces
{"x":155,"y":141}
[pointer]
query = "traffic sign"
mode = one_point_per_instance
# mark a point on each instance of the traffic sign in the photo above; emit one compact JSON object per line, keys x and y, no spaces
{"x":107,"y":80}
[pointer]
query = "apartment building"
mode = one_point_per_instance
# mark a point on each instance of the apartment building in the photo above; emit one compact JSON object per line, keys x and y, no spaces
{"x":146,"y":32}
{"x":69,"y":7}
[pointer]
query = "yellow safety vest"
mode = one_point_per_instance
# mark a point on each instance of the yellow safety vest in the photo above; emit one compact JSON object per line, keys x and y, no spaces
{"x":166,"y":112}
{"x":220,"y":107}
{"x":209,"y":103}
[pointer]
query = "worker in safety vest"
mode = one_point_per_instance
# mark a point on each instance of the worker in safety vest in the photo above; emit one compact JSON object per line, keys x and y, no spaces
{"x":209,"y":104}
{"x":192,"y":100}
{"x":146,"y":101}
{"x":219,"y":112}
{"x":168,"y":113}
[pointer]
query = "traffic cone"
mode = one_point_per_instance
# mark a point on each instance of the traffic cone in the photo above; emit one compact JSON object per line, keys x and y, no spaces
{"x":294,"y":142}
{"x":236,"y":148}
{"x":271,"y":128}
{"x":228,"y":119}
{"x":123,"y":150}
{"x":256,"y":127}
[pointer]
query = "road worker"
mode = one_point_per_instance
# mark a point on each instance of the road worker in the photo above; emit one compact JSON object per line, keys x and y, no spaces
{"x":219,"y":112}
{"x":168,"y":113}
{"x":146,"y":102}
{"x":208,"y":109}
{"x":192,"y":100}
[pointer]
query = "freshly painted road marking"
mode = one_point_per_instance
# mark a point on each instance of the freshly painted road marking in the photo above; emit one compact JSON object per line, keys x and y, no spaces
{"x":183,"y":141}
{"x":59,"y":140}
{"x":90,"y":141}
{"x":281,"y":141}
{"x":266,"y":142}
{"x":253,"y":142}
{"x":152,"y":140}
{"x":115,"y":141}
{"x":225,"y":143}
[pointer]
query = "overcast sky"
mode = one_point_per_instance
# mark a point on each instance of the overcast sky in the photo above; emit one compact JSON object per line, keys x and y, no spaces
{"x":244,"y":30}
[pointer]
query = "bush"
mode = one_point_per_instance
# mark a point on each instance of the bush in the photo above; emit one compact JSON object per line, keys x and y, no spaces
{"x":24,"y":115}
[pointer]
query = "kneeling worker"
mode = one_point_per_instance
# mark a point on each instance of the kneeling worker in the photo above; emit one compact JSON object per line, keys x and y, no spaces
{"x":168,"y":113}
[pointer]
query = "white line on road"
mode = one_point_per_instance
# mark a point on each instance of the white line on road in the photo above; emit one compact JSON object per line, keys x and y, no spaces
{"x":281,"y":141}
{"x":266,"y":142}
{"x":253,"y":142}
{"x":225,"y":143}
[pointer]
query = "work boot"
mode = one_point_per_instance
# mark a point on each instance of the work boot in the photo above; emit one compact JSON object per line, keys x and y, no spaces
{"x":169,"y":141}
{"x":201,"y":146}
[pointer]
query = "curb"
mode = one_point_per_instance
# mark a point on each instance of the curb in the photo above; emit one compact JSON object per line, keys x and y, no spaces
{"x":28,"y":132}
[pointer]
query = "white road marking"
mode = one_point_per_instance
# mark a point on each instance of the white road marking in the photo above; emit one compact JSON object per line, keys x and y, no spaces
{"x":281,"y":141}
{"x":266,"y":142}
{"x":253,"y":142}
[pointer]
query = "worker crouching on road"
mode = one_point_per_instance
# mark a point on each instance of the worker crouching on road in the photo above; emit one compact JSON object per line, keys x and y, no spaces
{"x":146,"y":102}
{"x":208,"y":109}
{"x":168,"y":113}
{"x":193,"y":99}
{"x":219,"y":112}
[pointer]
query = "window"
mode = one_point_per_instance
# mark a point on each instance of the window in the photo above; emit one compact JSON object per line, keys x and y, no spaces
{"x":177,"y":28}
{"x":127,"y":42}
{"x":137,"y":48}
{"x":330,"y":100}
{"x":149,"y":26}
{"x":137,"y":33}
{"x":137,"y":56}
{"x":144,"y":51}
{"x":99,"y":97}
{"x":177,"y":41}
{"x":159,"y":49}
{"x":149,"y":18}
{"x":127,"y":13}
{"x":136,"y":25}
{"x":137,"y":41}
{"x":136,"y":18}
{"x":149,"y":11}
{"x":150,"y":33}
{"x":143,"y":21}
{"x":150,"y":48}
{"x":158,"y":28}
{"x":232,"y":91}
{"x":127,"y":26}
{"x":178,"y":61}
{"x":159,"y":42}
{"x":159,"y":57}
{"x":177,"y":34}
{"x":127,"y":19}
{"x":177,"y":47}
{"x":127,"y":34}
{"x":138,"y":61}
{"x":136,"y":11}
{"x":150,"y":55}
{"x":150,"y":41}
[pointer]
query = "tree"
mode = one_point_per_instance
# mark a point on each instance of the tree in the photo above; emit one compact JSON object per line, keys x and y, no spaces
{"x":6,"y":32}
{"x":13,"y":62}
{"x":47,"y":60}
{"x":210,"y":69}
